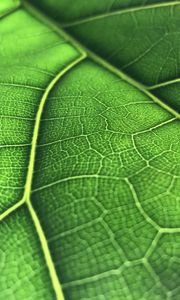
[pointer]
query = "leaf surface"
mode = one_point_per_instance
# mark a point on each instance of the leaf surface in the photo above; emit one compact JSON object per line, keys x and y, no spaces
{"x":90,"y":151}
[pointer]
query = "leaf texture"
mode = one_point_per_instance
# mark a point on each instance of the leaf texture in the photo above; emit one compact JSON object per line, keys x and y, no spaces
{"x":90,"y":150}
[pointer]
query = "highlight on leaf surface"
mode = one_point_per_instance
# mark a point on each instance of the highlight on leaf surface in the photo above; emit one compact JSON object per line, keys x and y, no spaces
{"x":89,"y":150}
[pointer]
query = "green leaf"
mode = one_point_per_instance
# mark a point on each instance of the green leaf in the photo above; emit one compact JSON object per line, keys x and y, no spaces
{"x":90,"y":150}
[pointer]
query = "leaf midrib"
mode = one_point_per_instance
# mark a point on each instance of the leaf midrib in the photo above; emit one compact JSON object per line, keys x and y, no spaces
{"x":39,"y":230}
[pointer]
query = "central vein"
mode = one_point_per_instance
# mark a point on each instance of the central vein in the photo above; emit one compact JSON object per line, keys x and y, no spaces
{"x":29,"y":179}
{"x":26,"y":198}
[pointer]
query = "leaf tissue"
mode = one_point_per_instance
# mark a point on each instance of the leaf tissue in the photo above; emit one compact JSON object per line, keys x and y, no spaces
{"x":89,"y":150}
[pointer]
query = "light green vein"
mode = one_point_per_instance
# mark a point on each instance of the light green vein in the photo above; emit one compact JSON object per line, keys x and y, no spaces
{"x":37,"y":124}
{"x":21,"y":86}
{"x":153,"y":245}
{"x":156,"y":86}
{"x":11,"y":209}
{"x":155,"y":127}
{"x":170,"y":230}
{"x":154,"y":275}
{"x":75,"y":178}
{"x":139,"y":206}
{"x":119,"y":12}
{"x":49,"y":262}
{"x":52,"y":271}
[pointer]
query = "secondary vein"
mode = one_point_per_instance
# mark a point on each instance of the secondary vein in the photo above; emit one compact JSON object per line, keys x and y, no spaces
{"x":119,"y":12}
{"x":11,"y":209}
